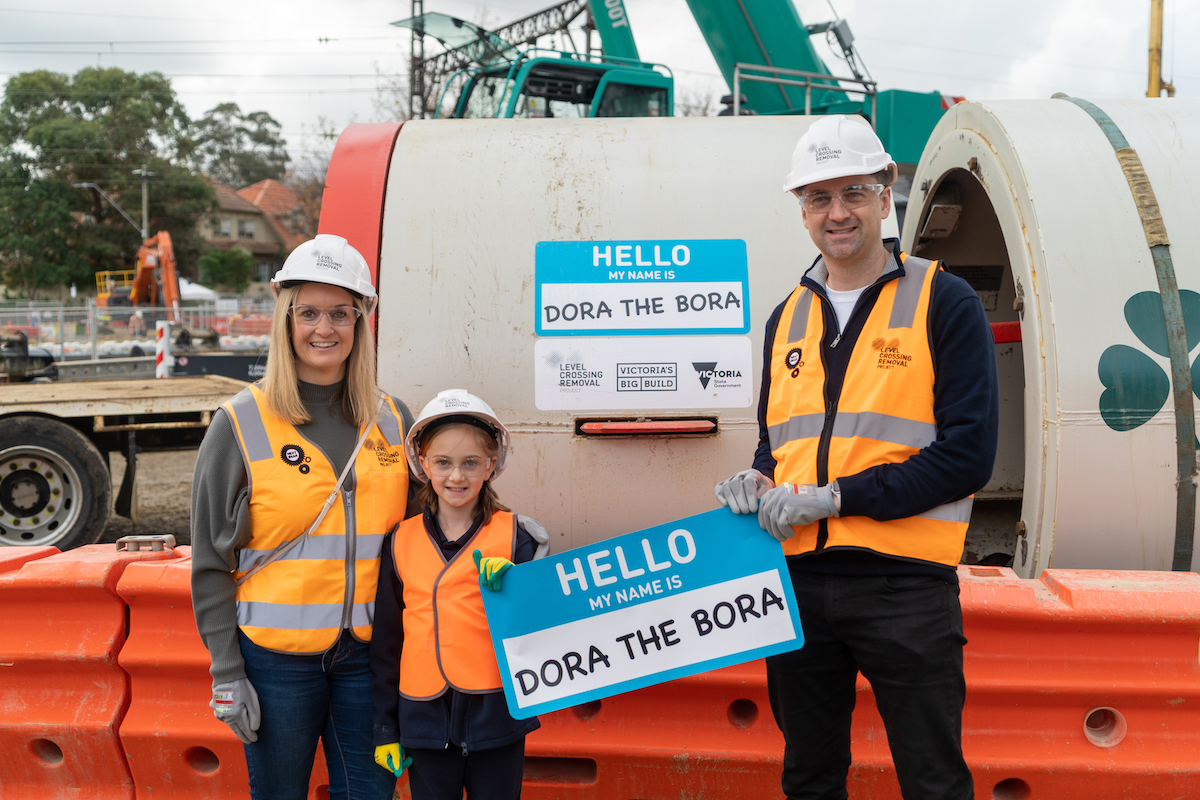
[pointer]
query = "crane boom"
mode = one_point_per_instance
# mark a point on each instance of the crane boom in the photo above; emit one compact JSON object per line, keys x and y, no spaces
{"x":612,"y":23}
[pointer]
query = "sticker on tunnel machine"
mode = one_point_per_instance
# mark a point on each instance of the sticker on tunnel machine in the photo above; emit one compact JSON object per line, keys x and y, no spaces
{"x":693,"y":595}
{"x":640,"y":287}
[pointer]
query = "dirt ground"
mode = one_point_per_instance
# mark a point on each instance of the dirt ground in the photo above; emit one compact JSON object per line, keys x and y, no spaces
{"x":164,"y":486}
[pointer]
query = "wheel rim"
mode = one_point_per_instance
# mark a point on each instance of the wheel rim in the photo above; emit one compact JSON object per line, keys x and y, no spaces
{"x":40,"y":496}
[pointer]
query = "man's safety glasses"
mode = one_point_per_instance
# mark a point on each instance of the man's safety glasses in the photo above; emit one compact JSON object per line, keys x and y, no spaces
{"x":338,"y":316}
{"x":469,"y":467}
{"x":855,"y":196}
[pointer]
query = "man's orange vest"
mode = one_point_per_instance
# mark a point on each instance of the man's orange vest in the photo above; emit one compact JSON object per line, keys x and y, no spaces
{"x":446,"y":637}
{"x":301,"y":602}
{"x":884,"y":415}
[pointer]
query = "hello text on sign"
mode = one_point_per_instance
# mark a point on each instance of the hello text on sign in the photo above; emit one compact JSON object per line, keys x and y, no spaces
{"x":697,"y":594}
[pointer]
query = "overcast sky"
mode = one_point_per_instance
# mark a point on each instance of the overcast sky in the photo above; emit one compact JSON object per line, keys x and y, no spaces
{"x":271,"y":55}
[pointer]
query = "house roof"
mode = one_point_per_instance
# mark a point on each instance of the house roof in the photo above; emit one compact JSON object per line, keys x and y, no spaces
{"x":228,"y":200}
{"x":278,"y":202}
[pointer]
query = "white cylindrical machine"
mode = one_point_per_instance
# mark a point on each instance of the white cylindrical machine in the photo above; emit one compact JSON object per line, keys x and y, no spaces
{"x":1041,"y":206}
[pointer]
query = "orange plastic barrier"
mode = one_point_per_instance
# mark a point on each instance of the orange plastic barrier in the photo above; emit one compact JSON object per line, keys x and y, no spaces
{"x":13,"y":558}
{"x":251,"y":325}
{"x":1082,"y":684}
{"x":176,"y":747}
{"x":63,"y":693}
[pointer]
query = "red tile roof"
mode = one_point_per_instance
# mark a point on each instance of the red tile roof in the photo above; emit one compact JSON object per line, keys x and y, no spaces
{"x":279,"y":203}
{"x":228,"y":200}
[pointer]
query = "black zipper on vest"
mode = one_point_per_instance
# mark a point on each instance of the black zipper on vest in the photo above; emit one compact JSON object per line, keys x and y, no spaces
{"x":827,"y":427}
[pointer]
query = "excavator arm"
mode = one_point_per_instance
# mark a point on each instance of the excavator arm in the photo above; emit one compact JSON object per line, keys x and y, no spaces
{"x":156,"y":255}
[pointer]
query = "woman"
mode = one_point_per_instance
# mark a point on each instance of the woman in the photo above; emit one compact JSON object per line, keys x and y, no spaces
{"x":297,"y":482}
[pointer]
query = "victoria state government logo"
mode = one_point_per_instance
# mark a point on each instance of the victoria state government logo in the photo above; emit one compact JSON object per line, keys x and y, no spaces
{"x":889,"y":354}
{"x":707,"y":371}
{"x":293,"y":456}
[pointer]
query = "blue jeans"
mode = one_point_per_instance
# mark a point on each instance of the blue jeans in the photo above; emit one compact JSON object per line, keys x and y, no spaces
{"x":306,"y":698}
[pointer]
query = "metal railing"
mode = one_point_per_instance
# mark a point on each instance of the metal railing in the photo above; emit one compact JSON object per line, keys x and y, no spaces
{"x":810,"y":81}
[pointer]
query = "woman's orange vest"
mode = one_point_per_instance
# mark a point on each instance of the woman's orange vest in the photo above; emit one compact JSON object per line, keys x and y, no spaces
{"x":446,"y":637}
{"x":301,"y":602}
{"x":884,"y":415}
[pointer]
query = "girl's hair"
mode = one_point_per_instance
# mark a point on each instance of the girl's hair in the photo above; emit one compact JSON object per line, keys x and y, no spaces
{"x":488,"y":502}
{"x":359,"y":394}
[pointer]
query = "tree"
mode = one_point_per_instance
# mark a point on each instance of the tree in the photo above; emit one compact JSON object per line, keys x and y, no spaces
{"x":37,"y":231}
{"x":232,"y":268}
{"x":239,"y":149}
{"x":99,"y":126}
{"x":307,"y":176}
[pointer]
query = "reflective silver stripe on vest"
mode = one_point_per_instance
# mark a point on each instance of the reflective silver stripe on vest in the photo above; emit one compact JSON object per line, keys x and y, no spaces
{"x":250,"y":423}
{"x":805,"y":426}
{"x":867,"y":425}
{"x":800,"y":316}
{"x":959,"y":511}
{"x":908,"y":292}
{"x":389,"y":425}
{"x":314,"y":548}
{"x":306,"y":617}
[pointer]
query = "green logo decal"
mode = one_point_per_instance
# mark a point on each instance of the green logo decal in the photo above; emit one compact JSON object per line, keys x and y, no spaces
{"x":1135,"y":386}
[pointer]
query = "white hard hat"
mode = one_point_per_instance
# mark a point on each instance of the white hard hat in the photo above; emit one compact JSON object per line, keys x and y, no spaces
{"x":834,"y":147}
{"x":456,"y":405}
{"x":328,"y":259}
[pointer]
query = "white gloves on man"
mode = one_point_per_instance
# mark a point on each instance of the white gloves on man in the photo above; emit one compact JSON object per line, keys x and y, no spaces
{"x":787,"y":505}
{"x":741,"y":492}
{"x":236,"y":704}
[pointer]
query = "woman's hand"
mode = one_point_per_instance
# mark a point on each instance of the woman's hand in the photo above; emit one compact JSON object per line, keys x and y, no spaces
{"x":236,"y":704}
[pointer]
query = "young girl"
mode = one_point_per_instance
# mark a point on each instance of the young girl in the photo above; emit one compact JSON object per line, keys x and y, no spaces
{"x":431,"y":638}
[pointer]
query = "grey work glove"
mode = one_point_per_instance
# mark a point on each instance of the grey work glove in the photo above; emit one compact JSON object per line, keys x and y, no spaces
{"x":236,"y":704}
{"x":787,"y":505}
{"x":540,"y":535}
{"x":741,"y":492}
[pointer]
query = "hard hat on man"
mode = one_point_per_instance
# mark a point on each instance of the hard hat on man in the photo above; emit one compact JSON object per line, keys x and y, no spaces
{"x":836,"y":146}
{"x":327,"y":259}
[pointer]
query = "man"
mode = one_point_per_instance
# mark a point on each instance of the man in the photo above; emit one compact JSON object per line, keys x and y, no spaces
{"x":877,"y":421}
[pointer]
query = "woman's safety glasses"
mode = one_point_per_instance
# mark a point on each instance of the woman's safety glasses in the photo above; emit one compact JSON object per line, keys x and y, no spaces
{"x":338,"y":316}
{"x":855,"y":196}
{"x":469,"y":467}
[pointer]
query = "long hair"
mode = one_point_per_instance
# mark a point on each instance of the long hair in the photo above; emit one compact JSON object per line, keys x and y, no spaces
{"x":359,"y":394}
{"x":488,"y":502}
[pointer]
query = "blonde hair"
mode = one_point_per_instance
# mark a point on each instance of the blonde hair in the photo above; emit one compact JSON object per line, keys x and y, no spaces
{"x":359,"y":394}
{"x":488,"y":502}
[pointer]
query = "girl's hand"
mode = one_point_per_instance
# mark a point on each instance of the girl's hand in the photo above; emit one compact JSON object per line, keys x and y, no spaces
{"x":391,"y":757}
{"x":491,"y":570}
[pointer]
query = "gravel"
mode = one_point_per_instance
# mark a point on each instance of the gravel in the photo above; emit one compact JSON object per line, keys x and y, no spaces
{"x":164,"y":492}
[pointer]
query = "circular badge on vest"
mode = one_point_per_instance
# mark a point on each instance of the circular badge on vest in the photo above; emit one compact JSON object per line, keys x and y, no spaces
{"x":292,"y":454}
{"x":304,"y":469}
{"x":793,"y":358}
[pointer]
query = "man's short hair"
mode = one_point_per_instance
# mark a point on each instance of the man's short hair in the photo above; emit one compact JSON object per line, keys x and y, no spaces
{"x":886,"y":176}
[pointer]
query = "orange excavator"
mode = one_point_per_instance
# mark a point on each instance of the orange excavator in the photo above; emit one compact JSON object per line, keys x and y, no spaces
{"x":153,"y":283}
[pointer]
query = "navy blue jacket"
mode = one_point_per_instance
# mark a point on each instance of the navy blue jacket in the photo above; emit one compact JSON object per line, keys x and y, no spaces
{"x":965,"y":407}
{"x":466,"y":721}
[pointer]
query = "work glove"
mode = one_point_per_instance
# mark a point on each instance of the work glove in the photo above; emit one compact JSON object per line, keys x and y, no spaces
{"x":788,"y":504}
{"x":491,"y":570}
{"x":236,"y":704}
{"x":741,"y":492}
{"x":391,"y":757}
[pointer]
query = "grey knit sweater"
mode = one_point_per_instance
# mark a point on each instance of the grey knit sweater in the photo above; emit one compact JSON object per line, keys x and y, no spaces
{"x":221,"y":516}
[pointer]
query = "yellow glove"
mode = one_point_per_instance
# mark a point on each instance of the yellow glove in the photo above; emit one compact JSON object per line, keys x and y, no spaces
{"x":491,"y":570}
{"x":391,"y":757}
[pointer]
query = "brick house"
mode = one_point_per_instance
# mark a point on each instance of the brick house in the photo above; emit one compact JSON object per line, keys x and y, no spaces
{"x":239,"y":223}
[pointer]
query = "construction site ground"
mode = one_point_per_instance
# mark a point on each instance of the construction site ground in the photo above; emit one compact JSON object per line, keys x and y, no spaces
{"x":164,"y":496}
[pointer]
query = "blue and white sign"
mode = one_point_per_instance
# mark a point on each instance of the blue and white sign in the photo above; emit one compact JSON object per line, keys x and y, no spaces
{"x":667,"y":286}
{"x":693,"y":595}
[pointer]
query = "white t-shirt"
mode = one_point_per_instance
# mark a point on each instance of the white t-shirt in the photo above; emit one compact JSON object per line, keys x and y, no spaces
{"x":843,"y":304}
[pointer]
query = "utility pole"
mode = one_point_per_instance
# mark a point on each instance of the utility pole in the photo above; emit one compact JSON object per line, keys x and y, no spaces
{"x":1156,"y":86}
{"x":146,"y":175}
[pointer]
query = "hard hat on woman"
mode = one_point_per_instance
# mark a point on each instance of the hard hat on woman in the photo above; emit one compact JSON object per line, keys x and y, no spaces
{"x":837,"y":146}
{"x":455,"y":405}
{"x":328,"y":259}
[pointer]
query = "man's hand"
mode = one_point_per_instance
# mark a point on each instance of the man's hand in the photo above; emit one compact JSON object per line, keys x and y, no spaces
{"x":236,"y":704}
{"x":741,"y":492}
{"x":391,"y":757}
{"x":491,"y":570}
{"x":787,"y":505}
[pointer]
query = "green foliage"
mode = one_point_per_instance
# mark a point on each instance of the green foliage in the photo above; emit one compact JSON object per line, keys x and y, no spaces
{"x":232,"y":268}
{"x":37,"y":231}
{"x":99,"y":126}
{"x":238,"y":149}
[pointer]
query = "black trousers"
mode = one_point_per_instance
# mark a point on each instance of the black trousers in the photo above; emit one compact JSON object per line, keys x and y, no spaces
{"x":904,"y":633}
{"x":493,"y":774}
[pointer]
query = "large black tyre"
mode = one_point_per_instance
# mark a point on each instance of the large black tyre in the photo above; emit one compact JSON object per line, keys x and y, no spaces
{"x":54,"y":486}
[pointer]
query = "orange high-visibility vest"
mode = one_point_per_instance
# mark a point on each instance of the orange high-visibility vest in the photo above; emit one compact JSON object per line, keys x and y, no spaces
{"x":883,"y":416}
{"x":301,"y":602}
{"x":446,"y":637}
